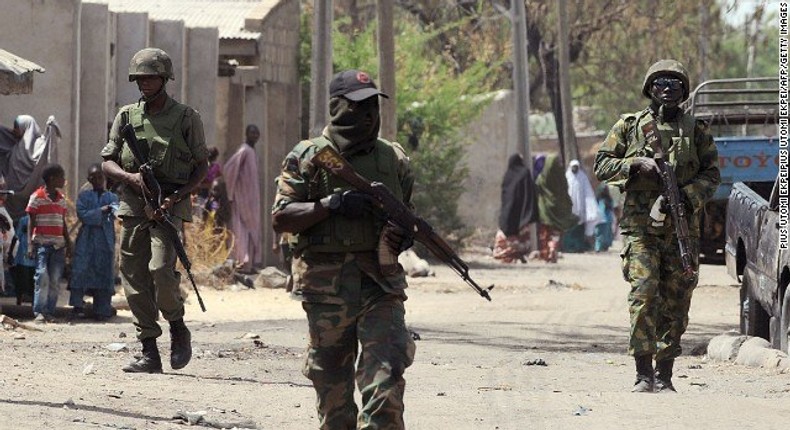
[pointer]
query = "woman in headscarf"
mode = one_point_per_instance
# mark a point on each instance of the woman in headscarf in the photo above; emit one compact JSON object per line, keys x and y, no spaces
{"x":585,"y":207}
{"x":555,"y":214}
{"x":518,"y":210}
{"x":32,"y":151}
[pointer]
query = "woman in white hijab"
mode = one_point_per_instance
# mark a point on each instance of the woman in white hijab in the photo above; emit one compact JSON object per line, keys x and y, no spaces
{"x":27,"y":159}
{"x":585,"y":207}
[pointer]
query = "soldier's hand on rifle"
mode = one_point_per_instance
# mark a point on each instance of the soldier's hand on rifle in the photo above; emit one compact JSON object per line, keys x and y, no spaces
{"x":396,"y":238}
{"x":351,"y":204}
{"x":645,"y":167}
{"x":136,"y":181}
{"x":169,"y":202}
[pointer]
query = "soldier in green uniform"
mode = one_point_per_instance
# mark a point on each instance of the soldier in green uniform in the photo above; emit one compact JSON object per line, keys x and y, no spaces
{"x":334,"y":235}
{"x":172,"y":134}
{"x":659,"y":300}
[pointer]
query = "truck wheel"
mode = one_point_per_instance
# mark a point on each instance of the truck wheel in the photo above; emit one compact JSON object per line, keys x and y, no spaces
{"x":784,"y":323}
{"x":753,"y":317}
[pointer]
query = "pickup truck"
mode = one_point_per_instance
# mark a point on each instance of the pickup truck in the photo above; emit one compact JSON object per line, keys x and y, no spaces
{"x":742,"y":114}
{"x":755,"y":258}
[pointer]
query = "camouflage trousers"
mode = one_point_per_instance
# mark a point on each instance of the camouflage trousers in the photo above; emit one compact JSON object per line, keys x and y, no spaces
{"x":660,"y":299}
{"x":367,"y":330}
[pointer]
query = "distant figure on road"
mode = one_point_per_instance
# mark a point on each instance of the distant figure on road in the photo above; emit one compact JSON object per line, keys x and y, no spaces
{"x":518,"y":209}
{"x":660,"y":298}
{"x":555,"y":210}
{"x":242,"y":183}
{"x":585,"y":207}
{"x":604,"y":232}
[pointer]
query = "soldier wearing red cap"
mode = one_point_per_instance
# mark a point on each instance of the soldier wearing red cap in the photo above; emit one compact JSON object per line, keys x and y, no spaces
{"x":334,"y":234}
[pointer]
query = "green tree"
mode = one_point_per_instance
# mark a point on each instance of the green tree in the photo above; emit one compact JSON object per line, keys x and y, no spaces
{"x":433,"y":104}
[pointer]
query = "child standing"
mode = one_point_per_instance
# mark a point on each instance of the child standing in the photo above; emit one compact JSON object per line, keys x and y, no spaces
{"x":94,"y":250}
{"x":23,"y":268}
{"x":49,"y":240}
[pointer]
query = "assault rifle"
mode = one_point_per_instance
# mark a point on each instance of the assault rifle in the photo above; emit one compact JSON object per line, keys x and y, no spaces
{"x":673,"y":201}
{"x":397,"y":212}
{"x":152,"y":192}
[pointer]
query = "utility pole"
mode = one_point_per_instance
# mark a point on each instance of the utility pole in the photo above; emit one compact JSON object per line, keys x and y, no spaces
{"x":321,"y":68}
{"x":568,"y":133}
{"x":386,"y":36}
{"x":518,"y":19}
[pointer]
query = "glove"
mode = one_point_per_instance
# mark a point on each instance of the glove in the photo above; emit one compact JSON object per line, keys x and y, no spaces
{"x":351,"y":204}
{"x":645,"y":167}
{"x":658,"y":212}
{"x":396,"y":238}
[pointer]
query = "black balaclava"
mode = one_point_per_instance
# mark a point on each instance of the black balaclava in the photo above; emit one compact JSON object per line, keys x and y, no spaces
{"x":354,"y":126}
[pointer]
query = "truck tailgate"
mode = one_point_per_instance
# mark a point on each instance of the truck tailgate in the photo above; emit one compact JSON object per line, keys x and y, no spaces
{"x":746,"y":159}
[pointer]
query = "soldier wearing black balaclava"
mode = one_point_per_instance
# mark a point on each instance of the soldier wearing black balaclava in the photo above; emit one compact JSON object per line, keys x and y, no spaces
{"x":334,"y":235}
{"x":660,"y":295}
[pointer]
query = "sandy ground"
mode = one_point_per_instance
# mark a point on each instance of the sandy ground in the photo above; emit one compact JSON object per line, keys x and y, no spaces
{"x":472,"y":369}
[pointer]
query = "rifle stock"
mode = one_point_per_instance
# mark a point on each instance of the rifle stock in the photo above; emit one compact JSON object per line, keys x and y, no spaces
{"x":153,"y":199}
{"x":397,"y":212}
{"x":671,"y":193}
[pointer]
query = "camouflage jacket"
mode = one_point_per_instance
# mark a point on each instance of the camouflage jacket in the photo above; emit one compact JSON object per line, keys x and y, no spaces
{"x":317,"y":275}
{"x":691,"y":152}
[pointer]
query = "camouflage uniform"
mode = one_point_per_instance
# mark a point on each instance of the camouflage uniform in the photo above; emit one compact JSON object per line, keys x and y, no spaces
{"x":659,"y":300}
{"x":176,"y":145}
{"x":347,"y":299}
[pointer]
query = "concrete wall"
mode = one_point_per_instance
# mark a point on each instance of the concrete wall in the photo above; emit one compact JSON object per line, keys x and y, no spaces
{"x":279,"y":48}
{"x":94,"y":85}
{"x":491,"y":140}
{"x":132,"y":30}
{"x":47,"y":33}
{"x":112,"y":87}
{"x":201,"y":73}
{"x":171,"y":37}
{"x":279,"y":43}
{"x":230,"y":116}
{"x":277,"y":145}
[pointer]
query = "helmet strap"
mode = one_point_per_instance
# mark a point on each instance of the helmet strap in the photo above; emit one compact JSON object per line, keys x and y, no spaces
{"x":663,"y":112}
{"x":158,"y":94}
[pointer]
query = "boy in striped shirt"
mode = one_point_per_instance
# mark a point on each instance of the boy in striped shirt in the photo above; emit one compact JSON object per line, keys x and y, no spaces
{"x":49,"y":241}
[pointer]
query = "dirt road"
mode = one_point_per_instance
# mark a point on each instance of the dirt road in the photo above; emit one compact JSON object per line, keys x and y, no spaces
{"x":472,"y":371}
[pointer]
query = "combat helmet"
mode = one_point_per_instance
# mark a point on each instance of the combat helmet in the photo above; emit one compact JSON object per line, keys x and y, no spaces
{"x":666,"y":67}
{"x":151,"y":62}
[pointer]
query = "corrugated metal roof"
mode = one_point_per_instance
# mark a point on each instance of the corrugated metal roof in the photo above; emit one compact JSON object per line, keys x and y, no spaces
{"x":16,"y":74}
{"x":17,"y":65}
{"x":227,"y":15}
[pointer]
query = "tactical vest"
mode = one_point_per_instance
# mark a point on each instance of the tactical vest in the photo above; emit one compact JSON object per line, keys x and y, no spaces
{"x":680,"y":151}
{"x":338,"y":233}
{"x":168,"y":152}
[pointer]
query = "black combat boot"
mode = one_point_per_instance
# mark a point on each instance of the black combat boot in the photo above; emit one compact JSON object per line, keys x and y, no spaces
{"x":180,"y":344}
{"x":645,"y":378}
{"x":150,"y":362}
{"x":664,"y":376}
